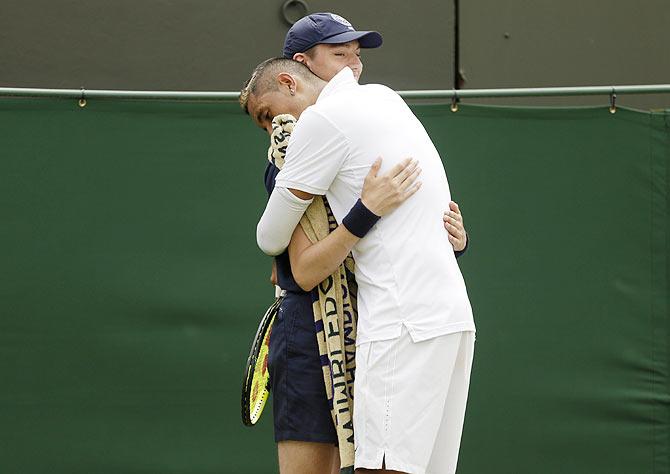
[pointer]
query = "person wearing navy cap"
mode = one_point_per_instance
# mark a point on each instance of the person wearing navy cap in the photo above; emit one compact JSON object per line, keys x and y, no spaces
{"x":326,"y":43}
{"x":325,"y":28}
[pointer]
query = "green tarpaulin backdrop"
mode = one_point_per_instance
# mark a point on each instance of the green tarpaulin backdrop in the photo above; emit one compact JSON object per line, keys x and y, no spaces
{"x":131,"y":286}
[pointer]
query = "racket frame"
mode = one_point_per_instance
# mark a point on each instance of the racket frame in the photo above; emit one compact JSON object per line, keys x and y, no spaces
{"x":249,"y":418}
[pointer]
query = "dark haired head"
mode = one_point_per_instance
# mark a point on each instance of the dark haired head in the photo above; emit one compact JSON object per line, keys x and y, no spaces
{"x":264,"y":77}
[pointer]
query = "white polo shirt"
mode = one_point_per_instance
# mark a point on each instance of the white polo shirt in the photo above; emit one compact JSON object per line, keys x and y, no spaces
{"x":405,"y":266}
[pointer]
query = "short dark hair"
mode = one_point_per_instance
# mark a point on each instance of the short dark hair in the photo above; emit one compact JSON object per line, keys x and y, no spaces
{"x":263,"y":77}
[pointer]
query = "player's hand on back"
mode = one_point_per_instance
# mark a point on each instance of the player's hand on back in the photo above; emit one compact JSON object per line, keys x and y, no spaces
{"x":453,"y":222}
{"x":382,"y":194}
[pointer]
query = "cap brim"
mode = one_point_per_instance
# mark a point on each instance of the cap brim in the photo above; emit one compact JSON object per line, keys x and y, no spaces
{"x":366,"y":39}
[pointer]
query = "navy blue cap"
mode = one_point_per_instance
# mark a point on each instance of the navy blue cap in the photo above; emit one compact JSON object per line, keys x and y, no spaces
{"x":328,"y":28}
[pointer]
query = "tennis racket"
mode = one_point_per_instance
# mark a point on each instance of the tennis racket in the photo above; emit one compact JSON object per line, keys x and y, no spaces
{"x":255,"y":387}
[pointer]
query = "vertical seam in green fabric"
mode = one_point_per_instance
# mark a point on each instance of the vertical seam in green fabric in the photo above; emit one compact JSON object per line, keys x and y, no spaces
{"x":652,"y":314}
{"x":665,"y":150}
{"x":659,"y":148}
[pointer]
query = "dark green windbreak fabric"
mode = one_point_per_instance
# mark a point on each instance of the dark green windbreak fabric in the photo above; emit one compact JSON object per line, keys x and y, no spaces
{"x":131,"y":286}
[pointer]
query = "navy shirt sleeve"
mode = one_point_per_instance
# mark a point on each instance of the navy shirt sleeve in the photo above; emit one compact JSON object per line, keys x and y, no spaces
{"x":458,"y":253}
{"x":270,"y":177}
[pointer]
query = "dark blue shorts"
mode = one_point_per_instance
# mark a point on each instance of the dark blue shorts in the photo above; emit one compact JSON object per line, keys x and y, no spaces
{"x":299,"y":401}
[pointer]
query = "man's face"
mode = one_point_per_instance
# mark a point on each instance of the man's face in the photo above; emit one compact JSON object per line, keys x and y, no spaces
{"x":265,"y":107}
{"x":326,"y":60}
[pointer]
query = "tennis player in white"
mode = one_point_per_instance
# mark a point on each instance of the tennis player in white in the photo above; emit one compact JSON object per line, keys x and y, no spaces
{"x":415,"y":328}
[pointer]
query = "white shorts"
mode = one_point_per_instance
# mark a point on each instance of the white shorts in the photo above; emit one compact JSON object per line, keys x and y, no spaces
{"x":410,"y":402}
